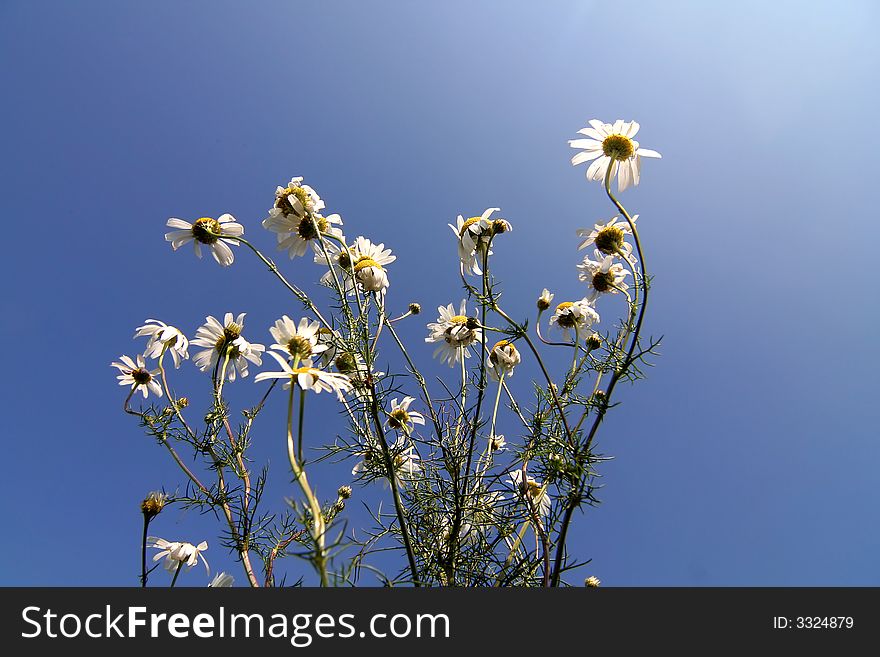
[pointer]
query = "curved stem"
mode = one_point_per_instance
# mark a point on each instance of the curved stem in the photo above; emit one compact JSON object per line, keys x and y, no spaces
{"x":317,"y":528}
{"x":299,"y":294}
{"x":615,"y":377}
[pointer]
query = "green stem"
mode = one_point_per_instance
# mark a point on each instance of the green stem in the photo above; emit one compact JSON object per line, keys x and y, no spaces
{"x":176,"y":573}
{"x":600,"y":414}
{"x":144,"y":552}
{"x":317,"y":528}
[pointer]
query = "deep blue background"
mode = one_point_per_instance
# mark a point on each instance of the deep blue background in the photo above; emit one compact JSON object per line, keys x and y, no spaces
{"x":749,"y":457}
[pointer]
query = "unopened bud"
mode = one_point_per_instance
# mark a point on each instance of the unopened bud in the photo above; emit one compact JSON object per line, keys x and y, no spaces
{"x":544,"y":300}
{"x":592,"y":582}
{"x":344,"y":492}
{"x":594,"y":341}
{"x":415,"y":308}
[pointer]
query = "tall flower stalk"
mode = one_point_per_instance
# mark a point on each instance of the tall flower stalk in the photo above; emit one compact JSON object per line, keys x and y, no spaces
{"x":475,"y":492}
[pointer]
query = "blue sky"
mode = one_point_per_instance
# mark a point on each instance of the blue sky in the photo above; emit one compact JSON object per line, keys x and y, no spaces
{"x":749,"y":455}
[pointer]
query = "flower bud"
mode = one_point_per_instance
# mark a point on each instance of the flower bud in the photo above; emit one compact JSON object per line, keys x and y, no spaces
{"x":544,"y":300}
{"x":592,"y":582}
{"x":415,"y":308}
{"x":344,"y":492}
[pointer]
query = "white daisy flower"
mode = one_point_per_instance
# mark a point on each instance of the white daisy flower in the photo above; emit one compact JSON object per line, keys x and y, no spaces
{"x":307,"y":377}
{"x":611,"y":145}
{"x":222,"y":338}
{"x":576,"y":316}
{"x":497,"y":443}
{"x":295,"y":215}
{"x":532,"y":490}
{"x":474,"y":235}
{"x":222,"y":580}
{"x":136,"y":375}
{"x":453,"y":334}
{"x":603,"y":275}
{"x":296,"y":199}
{"x":401,"y":417}
{"x":503,"y":358}
{"x":162,"y":336}
{"x":608,"y":236}
{"x":179,"y":553}
{"x":213,"y":233}
{"x":300,"y":341}
{"x":363,"y":259}
{"x":404,"y":460}
{"x":297,"y":241}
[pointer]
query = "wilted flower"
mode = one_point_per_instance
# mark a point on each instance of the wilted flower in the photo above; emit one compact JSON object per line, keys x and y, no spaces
{"x":153,"y":504}
{"x":503,"y":358}
{"x":532,"y":490}
{"x":576,"y":317}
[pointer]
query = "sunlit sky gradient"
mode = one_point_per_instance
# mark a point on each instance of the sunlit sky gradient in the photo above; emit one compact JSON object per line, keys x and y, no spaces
{"x":749,"y":456}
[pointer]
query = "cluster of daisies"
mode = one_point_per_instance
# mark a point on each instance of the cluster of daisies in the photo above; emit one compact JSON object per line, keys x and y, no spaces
{"x":297,"y":220}
{"x":227,"y":354}
{"x":612,"y":153}
{"x":304,"y":351}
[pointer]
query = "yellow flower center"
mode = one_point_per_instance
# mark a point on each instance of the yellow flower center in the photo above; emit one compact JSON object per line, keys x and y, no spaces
{"x":467,"y":224}
{"x":609,"y":240}
{"x":564,"y":316}
{"x":283,"y":203}
{"x":398,"y":418}
{"x":364,"y":262}
{"x":459,"y":336}
{"x":306,"y":228}
{"x":618,"y":147}
{"x":206,"y":230}
{"x":306,"y":370}
{"x":534,"y":490}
